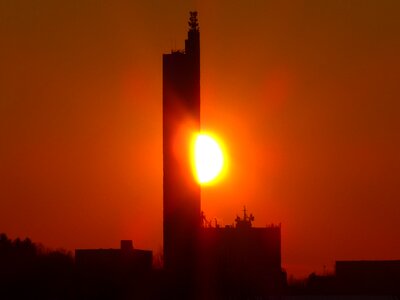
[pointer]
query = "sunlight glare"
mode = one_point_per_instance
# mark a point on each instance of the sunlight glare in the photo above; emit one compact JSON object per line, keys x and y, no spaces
{"x":208,"y":158}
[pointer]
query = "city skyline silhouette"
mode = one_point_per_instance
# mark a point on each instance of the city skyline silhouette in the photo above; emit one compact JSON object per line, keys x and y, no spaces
{"x":304,"y":97}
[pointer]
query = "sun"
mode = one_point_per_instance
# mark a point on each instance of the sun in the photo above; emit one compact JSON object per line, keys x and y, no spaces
{"x":208,"y":158}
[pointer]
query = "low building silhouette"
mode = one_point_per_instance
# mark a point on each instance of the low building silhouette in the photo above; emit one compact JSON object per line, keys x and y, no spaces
{"x":369,"y":276}
{"x":113,"y":273}
{"x":357,"y":277}
{"x":125,"y":261}
{"x":241,"y":259}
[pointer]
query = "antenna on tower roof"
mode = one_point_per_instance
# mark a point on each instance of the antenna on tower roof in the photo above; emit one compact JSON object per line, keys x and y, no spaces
{"x":193,"y":22}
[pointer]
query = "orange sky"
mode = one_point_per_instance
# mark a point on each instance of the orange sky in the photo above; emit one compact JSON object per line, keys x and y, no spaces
{"x":304,"y":94}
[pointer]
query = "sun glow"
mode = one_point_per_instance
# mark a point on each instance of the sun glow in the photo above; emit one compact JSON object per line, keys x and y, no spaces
{"x":208,"y":158}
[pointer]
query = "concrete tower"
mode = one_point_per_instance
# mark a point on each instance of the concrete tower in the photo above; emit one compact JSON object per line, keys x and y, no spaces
{"x":181,"y":119}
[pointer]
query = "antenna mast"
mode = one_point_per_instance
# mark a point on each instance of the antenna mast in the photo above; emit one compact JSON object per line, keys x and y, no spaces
{"x":193,"y":22}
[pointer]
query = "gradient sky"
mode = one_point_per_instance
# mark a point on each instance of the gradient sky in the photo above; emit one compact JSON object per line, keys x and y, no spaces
{"x":304,"y":94}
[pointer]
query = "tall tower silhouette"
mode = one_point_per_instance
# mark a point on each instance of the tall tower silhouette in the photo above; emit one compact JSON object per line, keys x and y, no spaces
{"x":181,"y":119}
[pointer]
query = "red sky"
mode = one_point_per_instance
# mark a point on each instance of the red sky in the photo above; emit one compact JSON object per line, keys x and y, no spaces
{"x":304,"y":94}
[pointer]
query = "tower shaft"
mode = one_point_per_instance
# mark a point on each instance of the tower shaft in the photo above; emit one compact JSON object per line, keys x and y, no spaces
{"x":181,"y":119}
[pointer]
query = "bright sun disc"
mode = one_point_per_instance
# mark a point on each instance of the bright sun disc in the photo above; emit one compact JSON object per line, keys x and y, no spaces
{"x":208,"y":158}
